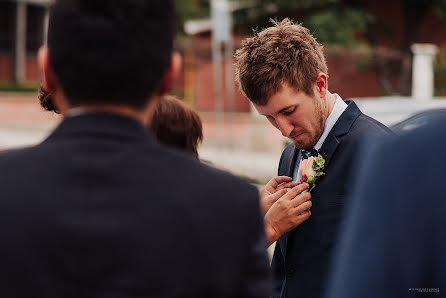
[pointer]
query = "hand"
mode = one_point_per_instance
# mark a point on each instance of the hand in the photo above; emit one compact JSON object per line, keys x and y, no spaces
{"x":273,"y":190}
{"x":289,"y":211}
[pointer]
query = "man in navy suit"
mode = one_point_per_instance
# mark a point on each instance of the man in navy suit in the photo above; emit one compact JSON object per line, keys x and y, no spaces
{"x":282,"y":70}
{"x":99,"y":209}
{"x":393,"y":242}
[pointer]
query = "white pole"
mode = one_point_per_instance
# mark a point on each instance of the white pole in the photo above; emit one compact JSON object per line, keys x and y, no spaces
{"x":423,"y":71}
{"x":220,"y":12}
{"x":20,"y":42}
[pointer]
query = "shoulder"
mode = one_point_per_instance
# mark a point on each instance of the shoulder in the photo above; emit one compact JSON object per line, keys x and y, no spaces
{"x":410,"y":161}
{"x":372,"y":126}
{"x":425,"y":143}
{"x":14,"y":156}
{"x":228,"y":185}
{"x":359,"y":121}
{"x":364,"y":127}
{"x":409,"y":171}
{"x":204,"y":182}
{"x":365,"y":123}
{"x":22,"y":172}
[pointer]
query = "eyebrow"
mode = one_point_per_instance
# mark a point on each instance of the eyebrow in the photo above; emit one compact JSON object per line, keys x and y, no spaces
{"x":280,"y":111}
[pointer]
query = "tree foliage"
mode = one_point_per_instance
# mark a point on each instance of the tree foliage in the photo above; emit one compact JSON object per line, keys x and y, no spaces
{"x":191,"y":9}
{"x":342,"y":22}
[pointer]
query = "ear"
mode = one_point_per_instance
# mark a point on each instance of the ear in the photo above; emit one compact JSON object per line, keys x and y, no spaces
{"x":171,"y":74}
{"x":43,"y":61}
{"x":321,"y":85}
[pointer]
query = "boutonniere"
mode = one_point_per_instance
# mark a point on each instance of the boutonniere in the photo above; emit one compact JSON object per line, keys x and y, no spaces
{"x":312,"y":169}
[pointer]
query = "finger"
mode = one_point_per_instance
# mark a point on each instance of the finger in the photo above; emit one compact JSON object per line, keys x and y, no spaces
{"x":300,"y":199}
{"x":303,"y":217}
{"x":295,"y":191}
{"x":305,"y":206}
{"x":274,"y":182}
{"x":277,"y":195}
{"x":287,"y":185}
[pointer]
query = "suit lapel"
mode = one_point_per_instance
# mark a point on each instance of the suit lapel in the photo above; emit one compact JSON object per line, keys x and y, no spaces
{"x":292,"y":163}
{"x":328,"y":148}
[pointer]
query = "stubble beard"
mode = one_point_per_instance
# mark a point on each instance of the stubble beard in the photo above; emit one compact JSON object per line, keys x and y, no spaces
{"x":319,"y":125}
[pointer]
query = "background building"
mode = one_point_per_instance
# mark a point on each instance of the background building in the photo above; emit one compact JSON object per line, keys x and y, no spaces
{"x":22,"y":32}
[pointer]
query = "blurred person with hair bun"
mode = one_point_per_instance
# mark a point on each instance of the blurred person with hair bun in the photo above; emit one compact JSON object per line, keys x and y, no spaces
{"x":176,"y":124}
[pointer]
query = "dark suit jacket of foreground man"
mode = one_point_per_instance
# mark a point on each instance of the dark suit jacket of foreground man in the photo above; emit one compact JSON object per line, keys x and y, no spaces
{"x":394,"y":244}
{"x":302,"y":256}
{"x":99,"y":209}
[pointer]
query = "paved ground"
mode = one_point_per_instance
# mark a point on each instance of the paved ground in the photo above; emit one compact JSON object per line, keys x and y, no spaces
{"x":22,"y":121}
{"x":244,"y":144}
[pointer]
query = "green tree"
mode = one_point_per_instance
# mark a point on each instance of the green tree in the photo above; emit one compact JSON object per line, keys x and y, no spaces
{"x":191,"y":9}
{"x":341,"y":22}
{"x":330,"y":21}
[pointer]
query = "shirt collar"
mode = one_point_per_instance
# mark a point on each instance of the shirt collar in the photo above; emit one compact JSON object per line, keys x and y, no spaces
{"x":73,"y":112}
{"x":337,"y":111}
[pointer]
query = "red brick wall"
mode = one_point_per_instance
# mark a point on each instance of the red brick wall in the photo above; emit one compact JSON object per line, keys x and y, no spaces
{"x":349,"y":76}
{"x":204,"y":91}
{"x":7,"y":68}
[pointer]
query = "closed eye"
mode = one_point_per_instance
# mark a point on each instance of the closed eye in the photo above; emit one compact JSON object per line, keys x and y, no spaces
{"x":289,"y":111}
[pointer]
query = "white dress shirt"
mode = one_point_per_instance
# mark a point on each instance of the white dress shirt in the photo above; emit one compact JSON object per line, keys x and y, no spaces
{"x":337,"y":111}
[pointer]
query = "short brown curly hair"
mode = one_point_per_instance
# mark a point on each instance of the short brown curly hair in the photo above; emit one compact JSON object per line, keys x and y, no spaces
{"x":285,"y":52}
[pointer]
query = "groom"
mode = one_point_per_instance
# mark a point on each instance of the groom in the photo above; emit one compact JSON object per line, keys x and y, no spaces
{"x":282,"y":71}
{"x":99,"y":209}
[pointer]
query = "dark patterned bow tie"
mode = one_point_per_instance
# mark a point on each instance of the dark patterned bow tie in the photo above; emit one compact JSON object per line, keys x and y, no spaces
{"x":307,"y":153}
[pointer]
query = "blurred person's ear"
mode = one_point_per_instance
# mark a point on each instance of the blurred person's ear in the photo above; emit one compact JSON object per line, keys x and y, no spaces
{"x":48,"y":82}
{"x":172,"y":73}
{"x":40,"y":57}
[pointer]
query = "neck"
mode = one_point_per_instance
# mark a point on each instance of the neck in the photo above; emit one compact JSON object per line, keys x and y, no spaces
{"x":143,"y":115}
{"x":139,"y":115}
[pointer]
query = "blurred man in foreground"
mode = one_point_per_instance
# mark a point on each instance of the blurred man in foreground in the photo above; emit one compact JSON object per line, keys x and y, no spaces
{"x":393,"y":243}
{"x":99,"y":209}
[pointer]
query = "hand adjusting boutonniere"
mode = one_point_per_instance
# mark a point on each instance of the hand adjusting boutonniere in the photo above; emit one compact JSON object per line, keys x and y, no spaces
{"x":312,"y":169}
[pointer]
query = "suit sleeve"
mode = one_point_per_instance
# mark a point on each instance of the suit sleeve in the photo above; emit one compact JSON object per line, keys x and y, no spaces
{"x":257,"y":281}
{"x":278,"y":271}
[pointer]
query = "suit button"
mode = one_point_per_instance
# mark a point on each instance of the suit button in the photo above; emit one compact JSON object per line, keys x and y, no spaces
{"x":291,"y":272}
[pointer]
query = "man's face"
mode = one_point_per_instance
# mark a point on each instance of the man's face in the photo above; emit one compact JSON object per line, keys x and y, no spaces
{"x":298,"y":116}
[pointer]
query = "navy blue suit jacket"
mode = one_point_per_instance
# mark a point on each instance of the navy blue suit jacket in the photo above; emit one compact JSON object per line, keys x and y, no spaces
{"x":393,"y":244}
{"x":302,"y":256}
{"x":99,"y":209}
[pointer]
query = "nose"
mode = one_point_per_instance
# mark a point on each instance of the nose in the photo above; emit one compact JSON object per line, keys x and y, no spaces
{"x":284,"y":126}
